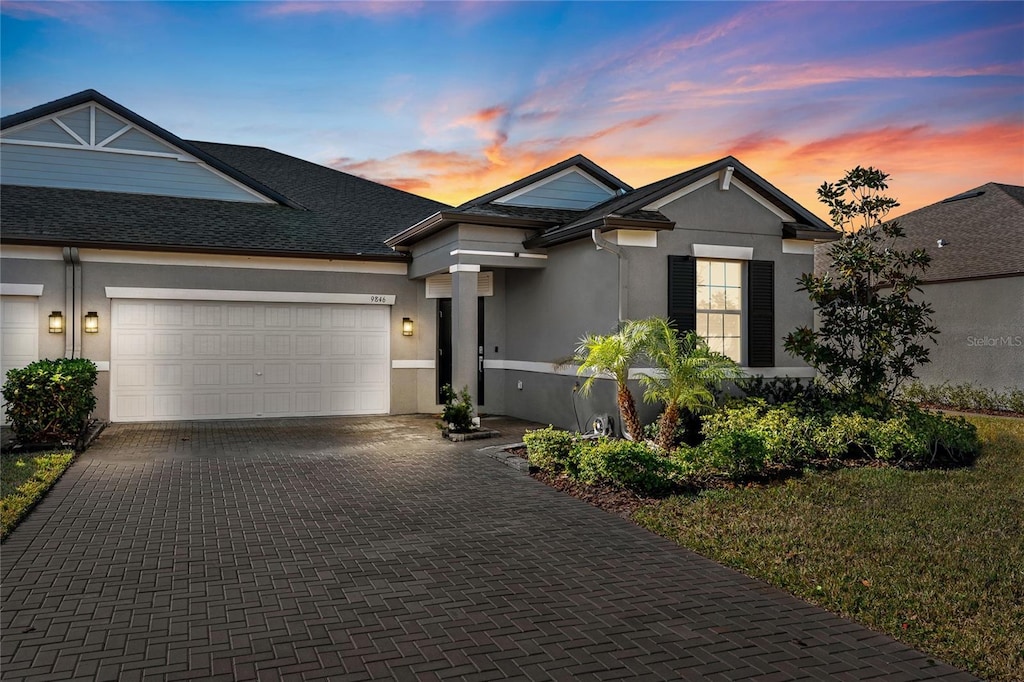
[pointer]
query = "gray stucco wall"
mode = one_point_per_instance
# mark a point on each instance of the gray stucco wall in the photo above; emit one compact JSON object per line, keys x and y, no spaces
{"x":550,"y":309}
{"x":982,"y":333}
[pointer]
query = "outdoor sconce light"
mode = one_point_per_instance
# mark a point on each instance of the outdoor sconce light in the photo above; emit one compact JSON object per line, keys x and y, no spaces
{"x":56,"y":322}
{"x":92,"y":322}
{"x":406,"y":326}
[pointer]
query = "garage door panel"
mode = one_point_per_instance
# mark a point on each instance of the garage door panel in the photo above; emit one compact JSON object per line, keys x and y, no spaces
{"x":209,"y":360}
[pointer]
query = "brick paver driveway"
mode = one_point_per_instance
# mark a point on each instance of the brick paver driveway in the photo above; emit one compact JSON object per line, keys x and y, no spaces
{"x":349,"y":549}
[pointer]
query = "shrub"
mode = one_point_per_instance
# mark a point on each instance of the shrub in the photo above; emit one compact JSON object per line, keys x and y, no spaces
{"x":787,"y":436}
{"x":626,"y":464}
{"x":50,"y":400}
{"x":844,"y":435}
{"x":738,"y":453}
{"x":549,"y":448}
{"x":458,"y":409}
{"x":966,"y":397}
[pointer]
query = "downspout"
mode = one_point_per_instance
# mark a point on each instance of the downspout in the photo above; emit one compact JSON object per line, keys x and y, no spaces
{"x":603,"y":243}
{"x":73,"y":302}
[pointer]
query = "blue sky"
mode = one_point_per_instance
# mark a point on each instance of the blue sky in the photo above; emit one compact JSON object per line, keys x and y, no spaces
{"x":452,"y":99}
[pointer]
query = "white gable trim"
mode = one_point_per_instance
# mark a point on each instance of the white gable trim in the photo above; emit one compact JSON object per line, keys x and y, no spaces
{"x":693,"y":187}
{"x":782,"y":215}
{"x":9,"y":137}
{"x":560,"y":174}
{"x":724,"y":252}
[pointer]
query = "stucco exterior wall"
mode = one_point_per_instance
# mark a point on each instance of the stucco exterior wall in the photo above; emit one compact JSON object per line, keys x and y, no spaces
{"x":549,"y":310}
{"x":982,"y":333}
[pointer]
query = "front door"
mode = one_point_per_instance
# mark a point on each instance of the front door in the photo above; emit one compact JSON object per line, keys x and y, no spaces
{"x":444,"y":348}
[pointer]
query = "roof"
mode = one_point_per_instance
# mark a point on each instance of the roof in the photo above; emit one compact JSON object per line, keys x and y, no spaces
{"x":983,"y":231}
{"x":319,"y":211}
{"x":557,"y":226}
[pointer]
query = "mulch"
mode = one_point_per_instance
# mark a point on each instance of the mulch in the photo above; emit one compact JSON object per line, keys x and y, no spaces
{"x":613,"y":500}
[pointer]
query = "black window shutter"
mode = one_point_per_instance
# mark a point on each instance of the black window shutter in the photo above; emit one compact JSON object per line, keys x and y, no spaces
{"x":761,"y":313}
{"x":682,"y":292}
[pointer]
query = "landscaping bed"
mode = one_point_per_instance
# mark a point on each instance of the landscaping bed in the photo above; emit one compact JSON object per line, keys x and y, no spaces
{"x":24,"y":479}
{"x":930,"y":557}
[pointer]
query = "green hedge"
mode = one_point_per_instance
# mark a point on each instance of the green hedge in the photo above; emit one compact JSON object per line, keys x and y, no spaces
{"x":50,"y":400}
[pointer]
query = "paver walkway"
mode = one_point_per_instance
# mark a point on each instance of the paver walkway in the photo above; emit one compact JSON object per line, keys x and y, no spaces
{"x":351,"y":549}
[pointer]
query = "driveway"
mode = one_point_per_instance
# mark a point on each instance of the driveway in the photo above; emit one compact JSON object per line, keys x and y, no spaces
{"x":362,"y":548}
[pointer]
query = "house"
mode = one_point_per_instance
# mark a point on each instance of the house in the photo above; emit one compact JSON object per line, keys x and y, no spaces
{"x":214,"y":281}
{"x":975,"y":284}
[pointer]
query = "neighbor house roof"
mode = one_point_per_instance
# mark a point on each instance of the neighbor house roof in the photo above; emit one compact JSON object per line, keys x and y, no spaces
{"x":629,"y":209}
{"x":319,"y":211}
{"x":983,"y":232}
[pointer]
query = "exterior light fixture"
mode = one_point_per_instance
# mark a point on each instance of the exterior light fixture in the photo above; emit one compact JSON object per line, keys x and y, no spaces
{"x":92,"y":322}
{"x":407,"y":326}
{"x":56,"y":325}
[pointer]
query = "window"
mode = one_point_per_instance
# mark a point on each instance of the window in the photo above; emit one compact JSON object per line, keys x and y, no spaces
{"x":720,"y":305}
{"x":729,"y":302}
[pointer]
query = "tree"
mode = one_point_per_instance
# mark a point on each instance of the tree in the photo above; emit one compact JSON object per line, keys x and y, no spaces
{"x":870,"y":331}
{"x":690,"y":371}
{"x":612,"y":356}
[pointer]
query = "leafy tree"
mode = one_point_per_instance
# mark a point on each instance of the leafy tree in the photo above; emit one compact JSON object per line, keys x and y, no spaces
{"x":870,"y":330}
{"x":611,"y":356}
{"x":690,"y":371}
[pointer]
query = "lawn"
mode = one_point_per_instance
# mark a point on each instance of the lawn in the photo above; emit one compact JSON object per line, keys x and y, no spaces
{"x":24,"y":479}
{"x":933,"y":558}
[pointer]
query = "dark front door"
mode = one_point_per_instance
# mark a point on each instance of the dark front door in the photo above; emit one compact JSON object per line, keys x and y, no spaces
{"x":444,"y":348}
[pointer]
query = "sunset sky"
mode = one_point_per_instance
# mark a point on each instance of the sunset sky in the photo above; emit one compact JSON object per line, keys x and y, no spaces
{"x":453,"y":99}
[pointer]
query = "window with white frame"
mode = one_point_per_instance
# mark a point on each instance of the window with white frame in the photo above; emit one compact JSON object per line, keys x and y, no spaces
{"x":720,"y":305}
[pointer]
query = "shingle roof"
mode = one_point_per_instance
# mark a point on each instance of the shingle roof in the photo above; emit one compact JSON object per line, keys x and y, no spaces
{"x":579,"y":160}
{"x":320,"y":211}
{"x":984,"y":233}
{"x":360,"y":214}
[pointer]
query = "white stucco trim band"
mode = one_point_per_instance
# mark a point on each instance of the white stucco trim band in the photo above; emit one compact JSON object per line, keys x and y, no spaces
{"x":570,"y":370}
{"x":412,"y":364}
{"x":463,"y":267}
{"x":11,"y":289}
{"x":503,"y":254}
{"x":254,"y":296}
{"x":726,"y":252}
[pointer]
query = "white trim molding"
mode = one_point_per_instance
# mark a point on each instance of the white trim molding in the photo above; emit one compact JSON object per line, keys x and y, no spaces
{"x":412,"y":364}
{"x":502,"y":254}
{"x":11,"y":289}
{"x":782,"y":215}
{"x":253,"y":296}
{"x":726,"y":178}
{"x":801,"y":246}
{"x":664,"y":201}
{"x":725,"y":252}
{"x":463,"y":267}
{"x":571,"y":370}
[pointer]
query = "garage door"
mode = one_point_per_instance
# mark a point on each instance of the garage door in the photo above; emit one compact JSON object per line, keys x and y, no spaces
{"x":175,"y":360}
{"x":19,"y":334}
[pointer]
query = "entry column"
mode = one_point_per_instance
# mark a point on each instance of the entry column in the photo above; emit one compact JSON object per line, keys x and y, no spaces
{"x":464,"y":328}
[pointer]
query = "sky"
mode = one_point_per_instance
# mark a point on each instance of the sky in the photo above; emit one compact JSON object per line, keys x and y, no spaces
{"x":451,"y":100}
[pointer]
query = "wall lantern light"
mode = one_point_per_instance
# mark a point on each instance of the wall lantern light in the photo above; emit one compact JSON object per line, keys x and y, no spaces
{"x":406,"y":326}
{"x":56,"y":325}
{"x":92,"y":322}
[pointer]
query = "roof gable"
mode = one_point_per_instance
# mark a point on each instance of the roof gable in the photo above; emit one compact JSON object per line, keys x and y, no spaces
{"x":579,"y":167}
{"x":95,"y":127}
{"x":571,"y":188}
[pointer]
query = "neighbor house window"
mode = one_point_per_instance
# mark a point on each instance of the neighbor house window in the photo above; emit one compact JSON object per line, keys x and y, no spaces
{"x":720,"y":305}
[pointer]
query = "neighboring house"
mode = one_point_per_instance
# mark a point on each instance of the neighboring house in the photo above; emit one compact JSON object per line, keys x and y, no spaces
{"x":238,"y":282}
{"x":975,"y":283}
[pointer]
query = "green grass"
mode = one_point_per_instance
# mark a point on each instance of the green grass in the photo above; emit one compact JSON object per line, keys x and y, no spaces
{"x":933,"y":558}
{"x":24,"y":479}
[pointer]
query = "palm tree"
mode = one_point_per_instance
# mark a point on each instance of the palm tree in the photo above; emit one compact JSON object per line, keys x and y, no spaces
{"x":611,"y":356}
{"x":690,"y":371}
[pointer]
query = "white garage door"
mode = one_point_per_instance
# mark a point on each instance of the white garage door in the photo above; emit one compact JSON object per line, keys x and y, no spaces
{"x":19,"y":334}
{"x":175,"y":360}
